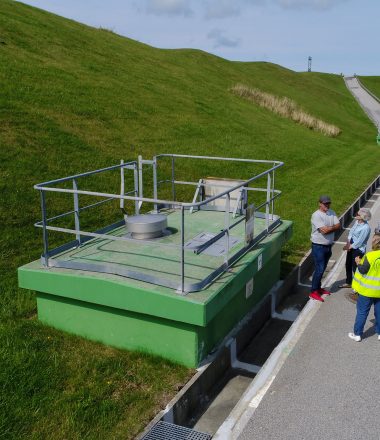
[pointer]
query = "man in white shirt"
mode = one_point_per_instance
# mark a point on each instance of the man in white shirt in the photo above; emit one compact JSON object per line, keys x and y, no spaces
{"x":324,"y":223}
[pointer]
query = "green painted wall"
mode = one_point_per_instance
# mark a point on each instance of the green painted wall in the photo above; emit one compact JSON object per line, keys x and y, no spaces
{"x":111,"y":291}
{"x":180,"y":342}
{"x":238,"y":306}
{"x":119,"y":328}
{"x":133,"y":315}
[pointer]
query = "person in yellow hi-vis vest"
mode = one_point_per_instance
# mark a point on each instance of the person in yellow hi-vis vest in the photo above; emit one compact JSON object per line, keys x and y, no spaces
{"x":366,"y":282}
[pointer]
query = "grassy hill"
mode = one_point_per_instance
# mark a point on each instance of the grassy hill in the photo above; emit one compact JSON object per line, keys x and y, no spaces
{"x":372,"y":83}
{"x":74,"y":98}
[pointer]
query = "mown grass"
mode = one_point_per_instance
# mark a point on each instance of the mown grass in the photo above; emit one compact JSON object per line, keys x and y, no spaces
{"x":60,"y":386}
{"x":372,"y":83}
{"x":74,"y":98}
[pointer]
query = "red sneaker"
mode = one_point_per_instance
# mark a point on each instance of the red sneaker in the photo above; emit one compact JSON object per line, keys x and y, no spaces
{"x":324,"y":292}
{"x":315,"y":295}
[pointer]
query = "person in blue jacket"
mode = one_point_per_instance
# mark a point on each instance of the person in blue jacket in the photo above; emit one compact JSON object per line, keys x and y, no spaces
{"x":356,"y":243}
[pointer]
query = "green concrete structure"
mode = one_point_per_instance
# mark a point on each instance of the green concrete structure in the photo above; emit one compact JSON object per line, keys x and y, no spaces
{"x":136,"y":315}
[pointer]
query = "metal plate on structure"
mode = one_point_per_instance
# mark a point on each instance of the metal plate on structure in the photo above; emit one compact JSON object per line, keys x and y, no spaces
{"x":164,"y":233}
{"x":216,"y":249}
{"x":169,"y":431}
{"x":135,"y":259}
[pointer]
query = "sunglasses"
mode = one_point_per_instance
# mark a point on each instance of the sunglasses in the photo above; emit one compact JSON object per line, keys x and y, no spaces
{"x":326,"y":203}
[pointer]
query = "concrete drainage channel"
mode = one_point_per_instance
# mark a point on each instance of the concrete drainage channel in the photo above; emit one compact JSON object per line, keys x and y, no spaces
{"x":208,"y":398}
{"x":212,"y":395}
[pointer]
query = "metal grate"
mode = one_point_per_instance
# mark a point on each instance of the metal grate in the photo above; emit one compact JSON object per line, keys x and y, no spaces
{"x":169,"y":431}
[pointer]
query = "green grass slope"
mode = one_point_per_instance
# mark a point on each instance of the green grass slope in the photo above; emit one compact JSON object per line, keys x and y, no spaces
{"x":74,"y":98}
{"x":372,"y":83}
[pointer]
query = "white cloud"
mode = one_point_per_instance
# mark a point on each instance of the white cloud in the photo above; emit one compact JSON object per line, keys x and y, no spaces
{"x":306,"y":4}
{"x":220,"y":40}
{"x":294,"y":4}
{"x":224,"y":9}
{"x":168,"y":7}
{"x":221,"y":8}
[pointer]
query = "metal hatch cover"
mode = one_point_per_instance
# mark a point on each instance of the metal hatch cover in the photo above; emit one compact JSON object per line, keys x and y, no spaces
{"x":216,"y":249}
{"x":169,"y":431}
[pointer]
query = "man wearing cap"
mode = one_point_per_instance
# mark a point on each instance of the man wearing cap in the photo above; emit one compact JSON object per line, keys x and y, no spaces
{"x":324,"y":223}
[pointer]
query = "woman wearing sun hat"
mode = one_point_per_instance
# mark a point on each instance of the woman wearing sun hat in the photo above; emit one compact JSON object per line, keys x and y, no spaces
{"x":356,"y":243}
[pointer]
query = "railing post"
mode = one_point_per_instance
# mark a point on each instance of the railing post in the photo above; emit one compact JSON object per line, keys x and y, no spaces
{"x":45,"y":237}
{"x":272,"y":195}
{"x":136,"y":187}
{"x":182,"y":249}
{"x":227,"y":228}
{"x":122,"y":184}
{"x":155,"y":183}
{"x":141,"y":191}
{"x":268,"y":202}
{"x":173,"y":179}
{"x":196,"y":195}
{"x":76,"y":211}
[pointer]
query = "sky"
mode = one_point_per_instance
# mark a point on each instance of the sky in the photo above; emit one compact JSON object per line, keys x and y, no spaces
{"x":341,"y":36}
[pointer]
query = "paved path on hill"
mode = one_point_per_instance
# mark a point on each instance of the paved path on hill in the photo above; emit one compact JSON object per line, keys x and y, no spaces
{"x":328,"y":387}
{"x":369,"y":104}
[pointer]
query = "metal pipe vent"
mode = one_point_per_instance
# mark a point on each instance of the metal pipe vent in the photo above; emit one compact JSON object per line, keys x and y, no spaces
{"x":143,"y":227}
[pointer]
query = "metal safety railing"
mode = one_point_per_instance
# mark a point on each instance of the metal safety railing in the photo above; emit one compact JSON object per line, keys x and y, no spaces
{"x":136,"y":195}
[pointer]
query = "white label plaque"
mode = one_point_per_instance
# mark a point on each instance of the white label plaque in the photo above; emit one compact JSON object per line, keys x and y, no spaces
{"x":260,"y":262}
{"x":249,"y":288}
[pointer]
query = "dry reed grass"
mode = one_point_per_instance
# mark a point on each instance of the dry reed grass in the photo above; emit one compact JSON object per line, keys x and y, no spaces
{"x":285,"y":107}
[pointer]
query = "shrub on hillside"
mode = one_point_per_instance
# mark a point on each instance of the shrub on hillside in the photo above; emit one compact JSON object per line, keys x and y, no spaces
{"x":285,"y":107}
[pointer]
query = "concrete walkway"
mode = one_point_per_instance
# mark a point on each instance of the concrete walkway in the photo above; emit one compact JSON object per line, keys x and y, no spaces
{"x":323,"y":385}
{"x":369,"y":104}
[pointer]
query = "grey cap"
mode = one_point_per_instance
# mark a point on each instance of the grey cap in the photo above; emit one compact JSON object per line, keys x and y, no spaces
{"x":324,"y":199}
